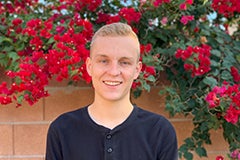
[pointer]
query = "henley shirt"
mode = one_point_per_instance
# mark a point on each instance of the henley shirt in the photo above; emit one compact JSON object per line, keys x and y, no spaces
{"x":142,"y":136}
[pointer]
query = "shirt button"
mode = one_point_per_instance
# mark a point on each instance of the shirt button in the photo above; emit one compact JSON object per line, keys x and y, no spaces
{"x":109,"y":136}
{"x":109,"y":150}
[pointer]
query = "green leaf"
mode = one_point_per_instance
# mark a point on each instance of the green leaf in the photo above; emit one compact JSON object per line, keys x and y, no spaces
{"x":13,"y":55}
{"x":220,"y":40}
{"x":189,"y":142}
{"x":7,"y":40}
{"x":210,"y":81}
{"x":216,"y":53}
{"x":238,"y":58}
{"x":3,"y":60}
{"x":201,"y":151}
{"x":228,"y":61}
{"x":20,"y":99}
{"x":50,"y":41}
{"x":237,"y":45}
{"x":20,"y":46}
{"x":151,"y":78}
{"x":214,"y":63}
{"x":188,"y":155}
{"x":8,"y":48}
{"x":225,"y":75}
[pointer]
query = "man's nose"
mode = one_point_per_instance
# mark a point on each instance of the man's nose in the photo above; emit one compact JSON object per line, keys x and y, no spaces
{"x":114,"y":69}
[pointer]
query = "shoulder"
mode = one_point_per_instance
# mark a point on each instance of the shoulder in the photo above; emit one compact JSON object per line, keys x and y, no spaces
{"x":68,"y":118}
{"x":155,"y":120}
{"x":151,"y":116}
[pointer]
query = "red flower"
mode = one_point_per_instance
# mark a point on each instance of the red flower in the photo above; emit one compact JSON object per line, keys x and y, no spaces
{"x":197,"y":59}
{"x":226,"y":7}
{"x":190,"y":2}
{"x":145,"y":48}
{"x":102,"y":17}
{"x":219,"y":158}
{"x":136,"y":84}
{"x":34,"y":23}
{"x":232,"y":115}
{"x":151,"y":70}
{"x":235,"y":74}
{"x":130,"y":15}
{"x":5,"y":100}
{"x":113,"y":19}
{"x":183,"y":6}
{"x":157,"y":3}
{"x":36,"y":42}
{"x":17,"y":21}
{"x":185,"y":19}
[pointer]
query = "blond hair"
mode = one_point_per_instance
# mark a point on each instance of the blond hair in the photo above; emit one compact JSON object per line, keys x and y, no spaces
{"x":114,"y":30}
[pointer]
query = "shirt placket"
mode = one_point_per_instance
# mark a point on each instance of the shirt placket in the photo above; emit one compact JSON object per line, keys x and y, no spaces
{"x":109,"y":146}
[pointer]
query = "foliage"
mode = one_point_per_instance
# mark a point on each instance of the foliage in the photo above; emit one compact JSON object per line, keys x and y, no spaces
{"x":189,"y":40}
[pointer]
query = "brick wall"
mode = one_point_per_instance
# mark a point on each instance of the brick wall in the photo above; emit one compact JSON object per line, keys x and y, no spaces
{"x":23,"y":130}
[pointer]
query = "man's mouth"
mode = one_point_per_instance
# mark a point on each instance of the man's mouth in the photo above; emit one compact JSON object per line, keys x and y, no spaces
{"x":112,"y":83}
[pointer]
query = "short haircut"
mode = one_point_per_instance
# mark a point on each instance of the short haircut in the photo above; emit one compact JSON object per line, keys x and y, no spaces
{"x":114,"y":30}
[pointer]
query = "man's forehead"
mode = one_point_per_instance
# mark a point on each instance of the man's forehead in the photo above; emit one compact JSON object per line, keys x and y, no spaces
{"x":114,"y":56}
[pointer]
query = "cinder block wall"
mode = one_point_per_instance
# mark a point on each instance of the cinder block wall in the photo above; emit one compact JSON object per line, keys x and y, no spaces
{"x":23,"y":130}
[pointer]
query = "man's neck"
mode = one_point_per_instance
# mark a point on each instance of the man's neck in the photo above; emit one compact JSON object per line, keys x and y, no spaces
{"x":110,"y":114}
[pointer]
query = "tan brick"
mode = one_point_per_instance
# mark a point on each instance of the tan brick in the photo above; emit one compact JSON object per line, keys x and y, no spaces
{"x":218,"y":146}
{"x":66,"y":99}
{"x":6,"y":141}
{"x":150,"y":100}
{"x":30,"y":139}
{"x":218,"y":142}
{"x":183,"y":130}
{"x":210,"y":156}
{"x":155,"y":102}
{"x":15,"y":158}
{"x":10,"y":113}
{"x":29,"y":159}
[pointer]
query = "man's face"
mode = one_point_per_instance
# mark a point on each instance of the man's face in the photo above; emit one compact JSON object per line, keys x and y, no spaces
{"x":113,"y":66}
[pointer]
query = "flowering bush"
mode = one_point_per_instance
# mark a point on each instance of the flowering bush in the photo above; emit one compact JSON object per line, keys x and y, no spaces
{"x":190,"y":41}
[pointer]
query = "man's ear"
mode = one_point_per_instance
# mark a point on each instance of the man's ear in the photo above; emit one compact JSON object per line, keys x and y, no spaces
{"x":89,"y":66}
{"x":138,"y":69}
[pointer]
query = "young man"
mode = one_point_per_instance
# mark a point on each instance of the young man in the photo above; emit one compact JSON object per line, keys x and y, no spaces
{"x":111,"y":128}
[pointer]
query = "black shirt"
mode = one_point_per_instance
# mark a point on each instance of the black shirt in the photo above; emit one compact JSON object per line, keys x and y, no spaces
{"x":142,"y":136}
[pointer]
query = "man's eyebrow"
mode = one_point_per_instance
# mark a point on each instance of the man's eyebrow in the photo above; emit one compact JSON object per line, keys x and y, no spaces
{"x":127,"y":58}
{"x":101,"y":55}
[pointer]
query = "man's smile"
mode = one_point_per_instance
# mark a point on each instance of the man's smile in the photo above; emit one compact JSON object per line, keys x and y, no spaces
{"x":112,"y":83}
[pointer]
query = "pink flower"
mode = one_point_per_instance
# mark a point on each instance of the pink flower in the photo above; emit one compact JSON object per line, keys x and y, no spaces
{"x":189,"y":2}
{"x":164,"y":20}
{"x":185,"y":19}
{"x":235,"y":154}
{"x":212,"y":100}
{"x":183,"y":6}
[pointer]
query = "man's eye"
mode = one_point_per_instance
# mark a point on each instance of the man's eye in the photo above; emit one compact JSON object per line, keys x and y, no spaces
{"x":103,"y":61}
{"x":125,"y":63}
